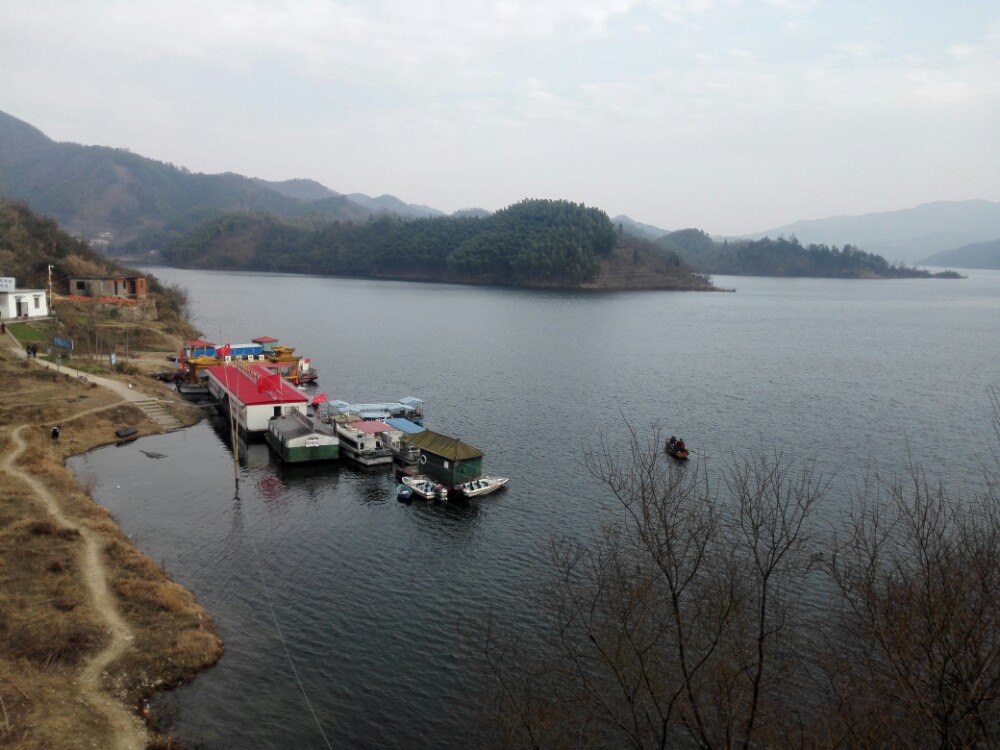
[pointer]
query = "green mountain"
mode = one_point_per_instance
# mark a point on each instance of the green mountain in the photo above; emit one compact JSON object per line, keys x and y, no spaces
{"x":93,"y":189}
{"x":781,"y":257}
{"x":976,"y":255}
{"x":907,"y":235}
{"x":543,"y":243}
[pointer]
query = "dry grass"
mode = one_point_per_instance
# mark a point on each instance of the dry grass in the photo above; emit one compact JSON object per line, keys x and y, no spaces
{"x":46,"y":625}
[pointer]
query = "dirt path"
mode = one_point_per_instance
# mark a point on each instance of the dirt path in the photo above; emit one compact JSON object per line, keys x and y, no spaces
{"x":127,"y":729}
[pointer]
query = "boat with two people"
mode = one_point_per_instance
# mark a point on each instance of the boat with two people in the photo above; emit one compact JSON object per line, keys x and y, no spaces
{"x":676,"y":449}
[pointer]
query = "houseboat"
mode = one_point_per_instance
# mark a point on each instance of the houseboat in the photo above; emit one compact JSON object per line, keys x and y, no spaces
{"x":403,"y":452}
{"x":363,"y":441}
{"x":198,"y":355}
{"x":446,"y":460}
{"x":297,"y":438}
{"x":381,"y":411}
{"x":254,"y":394}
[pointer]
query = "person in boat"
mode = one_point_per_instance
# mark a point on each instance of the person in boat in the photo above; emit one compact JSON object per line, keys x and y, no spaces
{"x":679,"y":446}
{"x":672,"y":443}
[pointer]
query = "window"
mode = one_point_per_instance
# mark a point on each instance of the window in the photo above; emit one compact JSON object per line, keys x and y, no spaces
{"x":80,"y":286}
{"x":38,"y":301}
{"x":277,"y":411}
{"x":446,"y":464}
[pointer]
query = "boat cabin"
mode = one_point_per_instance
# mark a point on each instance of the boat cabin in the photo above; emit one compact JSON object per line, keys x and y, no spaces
{"x":297,"y":438}
{"x":446,"y":459}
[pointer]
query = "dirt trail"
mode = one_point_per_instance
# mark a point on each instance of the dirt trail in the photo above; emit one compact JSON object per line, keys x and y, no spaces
{"x":128,"y":730}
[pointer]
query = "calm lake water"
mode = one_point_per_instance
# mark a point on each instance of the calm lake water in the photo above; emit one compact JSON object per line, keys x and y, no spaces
{"x":369,"y":593}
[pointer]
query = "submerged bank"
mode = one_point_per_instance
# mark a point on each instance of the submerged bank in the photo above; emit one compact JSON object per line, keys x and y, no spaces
{"x":87,"y":617}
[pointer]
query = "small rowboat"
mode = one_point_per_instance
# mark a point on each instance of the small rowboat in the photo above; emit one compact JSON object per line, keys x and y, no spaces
{"x":679,"y":455}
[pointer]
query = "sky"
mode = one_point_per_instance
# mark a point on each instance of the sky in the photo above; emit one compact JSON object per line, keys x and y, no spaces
{"x":728,"y":115}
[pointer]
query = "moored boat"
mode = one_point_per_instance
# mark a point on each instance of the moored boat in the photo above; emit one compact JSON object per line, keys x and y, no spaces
{"x":298,"y":438}
{"x":426,"y":488}
{"x":484,"y":485}
{"x":362,"y":442}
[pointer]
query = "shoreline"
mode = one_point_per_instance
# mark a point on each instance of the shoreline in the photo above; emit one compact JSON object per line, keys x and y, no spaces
{"x":100,"y":627}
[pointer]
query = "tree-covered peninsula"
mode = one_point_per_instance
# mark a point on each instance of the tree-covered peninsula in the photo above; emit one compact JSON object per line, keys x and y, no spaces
{"x":543,"y":243}
{"x":783,"y":257}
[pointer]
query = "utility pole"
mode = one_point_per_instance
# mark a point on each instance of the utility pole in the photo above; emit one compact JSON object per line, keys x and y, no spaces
{"x":50,"y":288}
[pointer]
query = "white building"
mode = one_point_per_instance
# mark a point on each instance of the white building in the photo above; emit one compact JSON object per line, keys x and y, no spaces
{"x":21,"y":303}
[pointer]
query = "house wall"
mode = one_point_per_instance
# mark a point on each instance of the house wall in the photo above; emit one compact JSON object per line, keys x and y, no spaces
{"x":125,"y":287}
{"x":34,"y":304}
{"x":448,"y":472}
{"x":254,"y":418}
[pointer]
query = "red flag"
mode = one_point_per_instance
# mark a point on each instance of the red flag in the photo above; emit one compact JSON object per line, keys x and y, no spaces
{"x":223,"y":351}
{"x":321,"y":398}
{"x":269,"y":383}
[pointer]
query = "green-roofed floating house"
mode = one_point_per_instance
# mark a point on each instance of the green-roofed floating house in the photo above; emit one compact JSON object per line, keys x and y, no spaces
{"x":445,"y":459}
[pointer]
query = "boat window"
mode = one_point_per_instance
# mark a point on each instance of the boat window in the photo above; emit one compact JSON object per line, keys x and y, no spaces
{"x":277,"y":411}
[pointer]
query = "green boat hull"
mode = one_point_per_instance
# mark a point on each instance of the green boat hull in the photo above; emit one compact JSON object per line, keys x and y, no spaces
{"x":302,"y":455}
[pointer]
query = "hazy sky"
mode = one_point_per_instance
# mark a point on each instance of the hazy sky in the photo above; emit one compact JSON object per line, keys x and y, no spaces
{"x":731,"y":115}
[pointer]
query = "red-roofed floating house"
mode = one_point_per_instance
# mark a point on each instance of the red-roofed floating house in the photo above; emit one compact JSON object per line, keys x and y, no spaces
{"x":254,"y":402}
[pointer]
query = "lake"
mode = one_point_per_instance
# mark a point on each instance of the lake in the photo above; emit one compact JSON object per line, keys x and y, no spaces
{"x":369,"y":593}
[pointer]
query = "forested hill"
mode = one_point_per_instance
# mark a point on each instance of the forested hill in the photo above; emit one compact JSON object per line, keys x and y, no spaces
{"x":782,"y":257}
{"x":91,"y":189}
{"x":29,"y":243}
{"x":976,"y":255}
{"x":531,"y":243}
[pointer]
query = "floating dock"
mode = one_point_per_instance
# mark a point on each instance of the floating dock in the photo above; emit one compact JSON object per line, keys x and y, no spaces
{"x":255,"y":394}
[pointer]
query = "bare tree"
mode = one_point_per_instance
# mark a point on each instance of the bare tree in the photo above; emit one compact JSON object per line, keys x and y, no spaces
{"x":918,"y":663}
{"x":676,"y":626}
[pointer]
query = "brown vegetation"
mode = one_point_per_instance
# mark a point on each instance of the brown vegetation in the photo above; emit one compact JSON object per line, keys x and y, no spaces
{"x":48,"y":627}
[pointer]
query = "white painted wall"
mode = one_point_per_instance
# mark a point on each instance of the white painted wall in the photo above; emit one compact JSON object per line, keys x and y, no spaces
{"x":34,"y":304}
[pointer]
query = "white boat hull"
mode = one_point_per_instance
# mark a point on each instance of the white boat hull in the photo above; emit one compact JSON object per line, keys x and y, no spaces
{"x":483,"y":486}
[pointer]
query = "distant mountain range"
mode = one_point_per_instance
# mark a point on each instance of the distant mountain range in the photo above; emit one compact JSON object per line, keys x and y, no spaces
{"x":637,"y":228}
{"x":93,"y":189}
{"x":146,"y":204}
{"x":977,"y":255}
{"x":908,"y":235}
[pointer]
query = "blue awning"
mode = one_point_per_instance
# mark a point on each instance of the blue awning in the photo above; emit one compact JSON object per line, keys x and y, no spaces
{"x":404,"y":425}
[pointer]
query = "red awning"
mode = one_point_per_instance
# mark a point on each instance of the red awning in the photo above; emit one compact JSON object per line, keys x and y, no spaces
{"x":265,"y":340}
{"x":198,"y":342}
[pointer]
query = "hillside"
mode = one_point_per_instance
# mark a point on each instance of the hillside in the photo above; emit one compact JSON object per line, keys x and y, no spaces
{"x":976,"y":255}
{"x":906,"y":235}
{"x":392,"y":205}
{"x":91,"y":189}
{"x":532,"y":243}
{"x":637,"y":228}
{"x":29,"y":243}
{"x":781,"y":257}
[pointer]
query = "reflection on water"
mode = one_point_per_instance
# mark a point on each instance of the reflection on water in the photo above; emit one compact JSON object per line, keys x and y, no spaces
{"x":369,"y":591}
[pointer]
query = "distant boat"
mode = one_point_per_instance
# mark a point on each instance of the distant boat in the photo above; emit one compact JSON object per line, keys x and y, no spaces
{"x":482,"y":486}
{"x":679,"y":455}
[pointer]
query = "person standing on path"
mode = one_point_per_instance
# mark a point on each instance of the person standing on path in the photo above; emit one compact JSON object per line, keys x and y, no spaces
{"x":3,"y":328}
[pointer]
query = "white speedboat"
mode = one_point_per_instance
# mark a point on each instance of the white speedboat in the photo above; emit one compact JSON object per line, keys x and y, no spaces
{"x":482,"y":486}
{"x":425,"y":488}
